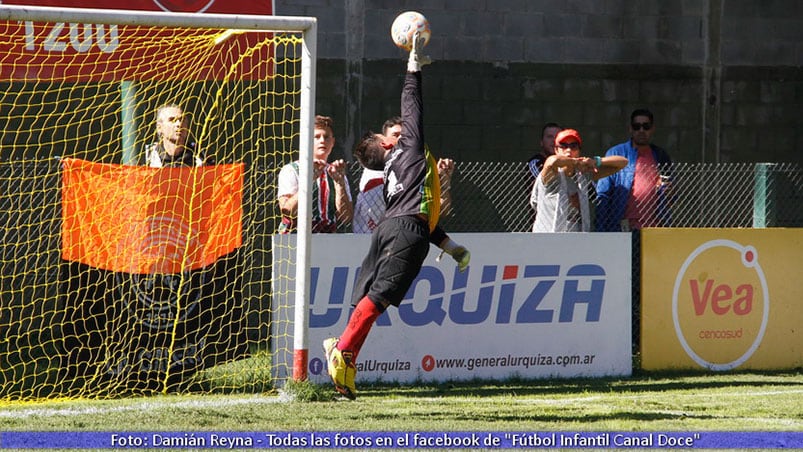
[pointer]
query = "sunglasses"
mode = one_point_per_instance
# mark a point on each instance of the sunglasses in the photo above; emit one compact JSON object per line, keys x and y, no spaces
{"x":572,"y":145}
{"x":641,"y":125}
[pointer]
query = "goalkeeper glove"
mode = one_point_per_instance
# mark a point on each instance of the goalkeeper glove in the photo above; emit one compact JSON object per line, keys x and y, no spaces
{"x":459,"y":253}
{"x":462,"y":256}
{"x":416,"y":60}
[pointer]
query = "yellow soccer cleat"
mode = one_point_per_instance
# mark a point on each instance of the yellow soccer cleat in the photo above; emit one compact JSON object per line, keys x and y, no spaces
{"x":340,"y":367}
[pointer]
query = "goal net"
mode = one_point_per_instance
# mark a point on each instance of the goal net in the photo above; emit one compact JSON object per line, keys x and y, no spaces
{"x":126,"y":269}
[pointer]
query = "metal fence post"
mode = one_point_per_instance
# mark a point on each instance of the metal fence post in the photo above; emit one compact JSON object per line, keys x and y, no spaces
{"x":763,"y":205}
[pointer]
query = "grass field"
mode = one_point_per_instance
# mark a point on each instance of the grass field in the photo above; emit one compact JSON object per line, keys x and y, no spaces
{"x":650,"y":402}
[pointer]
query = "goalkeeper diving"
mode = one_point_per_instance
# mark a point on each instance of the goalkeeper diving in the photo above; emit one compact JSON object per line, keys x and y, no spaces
{"x":400,"y":243}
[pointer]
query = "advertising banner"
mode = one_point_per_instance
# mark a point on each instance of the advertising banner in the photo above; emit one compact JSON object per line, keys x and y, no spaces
{"x":80,"y":52}
{"x":529,"y":305}
{"x":721,"y":299}
{"x":176,"y":6}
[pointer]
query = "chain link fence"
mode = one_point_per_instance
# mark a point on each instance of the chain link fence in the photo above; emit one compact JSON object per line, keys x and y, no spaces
{"x":494,"y":196}
{"x":486,"y":197}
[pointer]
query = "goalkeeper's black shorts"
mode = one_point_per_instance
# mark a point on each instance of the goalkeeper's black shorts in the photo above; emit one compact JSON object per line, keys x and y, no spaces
{"x":399,"y":246}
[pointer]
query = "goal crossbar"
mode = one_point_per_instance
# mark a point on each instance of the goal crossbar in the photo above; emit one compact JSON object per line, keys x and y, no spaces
{"x":305,"y":25}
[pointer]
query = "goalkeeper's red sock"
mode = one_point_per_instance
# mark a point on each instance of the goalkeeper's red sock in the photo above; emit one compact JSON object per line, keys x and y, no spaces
{"x":360,"y":323}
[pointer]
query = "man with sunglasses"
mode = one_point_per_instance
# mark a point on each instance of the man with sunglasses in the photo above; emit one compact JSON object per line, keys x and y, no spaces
{"x":562,"y":187}
{"x":636,"y":197}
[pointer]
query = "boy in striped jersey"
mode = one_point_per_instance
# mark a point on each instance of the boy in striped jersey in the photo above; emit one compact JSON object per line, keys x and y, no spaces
{"x":331,"y":195}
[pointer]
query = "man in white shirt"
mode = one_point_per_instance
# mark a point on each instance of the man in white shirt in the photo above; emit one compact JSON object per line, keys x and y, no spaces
{"x":561,"y":189}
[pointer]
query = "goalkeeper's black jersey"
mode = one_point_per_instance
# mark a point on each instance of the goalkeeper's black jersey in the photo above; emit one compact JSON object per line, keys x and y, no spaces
{"x":412,"y":186}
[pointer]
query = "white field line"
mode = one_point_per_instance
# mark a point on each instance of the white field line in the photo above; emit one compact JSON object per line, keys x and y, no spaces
{"x":219,"y":402}
{"x":140,"y":406}
{"x":653,"y":395}
{"x":537,"y":400}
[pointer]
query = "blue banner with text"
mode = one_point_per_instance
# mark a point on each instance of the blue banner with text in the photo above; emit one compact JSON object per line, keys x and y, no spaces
{"x":399,"y":440}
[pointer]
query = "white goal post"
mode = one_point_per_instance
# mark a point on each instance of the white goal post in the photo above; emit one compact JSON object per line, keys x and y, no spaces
{"x":75,"y":25}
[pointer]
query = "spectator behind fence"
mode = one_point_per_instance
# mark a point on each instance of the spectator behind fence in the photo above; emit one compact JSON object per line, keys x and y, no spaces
{"x":370,"y":205}
{"x":536,"y":162}
{"x":328,"y":210}
{"x":547,"y":143}
{"x":637,"y":197}
{"x":562,"y":188}
{"x":172,"y":147}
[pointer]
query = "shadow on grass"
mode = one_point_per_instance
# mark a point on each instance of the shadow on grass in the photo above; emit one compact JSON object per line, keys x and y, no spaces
{"x":566,"y":417}
{"x":644,"y":382}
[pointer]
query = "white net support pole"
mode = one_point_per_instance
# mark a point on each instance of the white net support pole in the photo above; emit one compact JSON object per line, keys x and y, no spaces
{"x":303,"y":252}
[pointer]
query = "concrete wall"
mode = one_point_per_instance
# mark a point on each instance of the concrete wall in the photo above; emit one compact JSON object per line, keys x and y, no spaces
{"x":723,"y":77}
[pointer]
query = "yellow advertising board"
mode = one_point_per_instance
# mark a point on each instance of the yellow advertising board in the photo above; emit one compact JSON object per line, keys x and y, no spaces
{"x":721,"y":299}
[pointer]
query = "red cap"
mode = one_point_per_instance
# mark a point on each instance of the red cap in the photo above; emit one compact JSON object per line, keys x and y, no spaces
{"x":568,"y":133}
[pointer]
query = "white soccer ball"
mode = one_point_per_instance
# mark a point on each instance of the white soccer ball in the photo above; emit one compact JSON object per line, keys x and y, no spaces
{"x":406,"y":25}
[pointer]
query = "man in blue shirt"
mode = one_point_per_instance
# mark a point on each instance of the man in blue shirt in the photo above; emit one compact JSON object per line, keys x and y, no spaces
{"x":637,"y":196}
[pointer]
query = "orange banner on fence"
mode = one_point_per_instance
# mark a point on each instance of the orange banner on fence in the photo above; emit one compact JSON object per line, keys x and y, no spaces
{"x":150,"y":220}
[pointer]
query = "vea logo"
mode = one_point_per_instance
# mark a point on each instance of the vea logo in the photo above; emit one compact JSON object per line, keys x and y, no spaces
{"x":503,"y":294}
{"x":720,"y":304}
